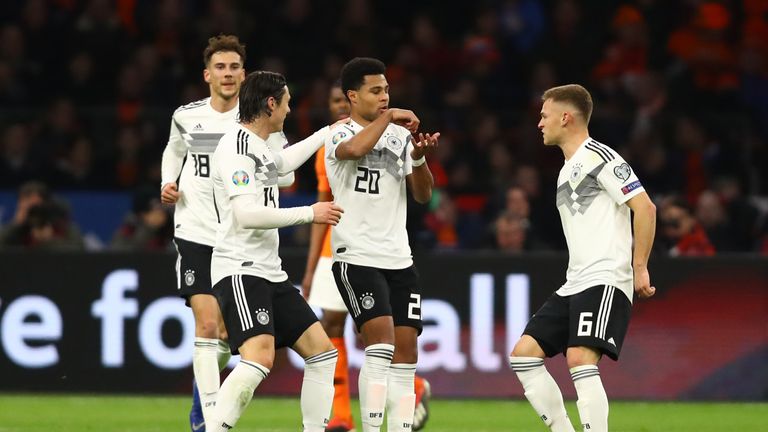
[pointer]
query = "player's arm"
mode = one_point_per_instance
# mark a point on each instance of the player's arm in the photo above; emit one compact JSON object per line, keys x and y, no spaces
{"x":363,"y":142}
{"x":644,"y":231}
{"x":294,"y":156}
{"x":277,"y":142}
{"x":420,"y":181}
{"x":173,"y":160}
{"x":316,"y":238}
{"x":249,"y":213}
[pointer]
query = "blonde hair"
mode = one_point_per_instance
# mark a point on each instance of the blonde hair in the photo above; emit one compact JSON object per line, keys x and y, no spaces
{"x":573,"y":94}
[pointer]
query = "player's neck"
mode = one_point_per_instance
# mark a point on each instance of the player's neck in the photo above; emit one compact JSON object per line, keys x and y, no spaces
{"x":572,"y":143}
{"x":357,"y":118}
{"x":222,"y":105}
{"x":260,"y":127}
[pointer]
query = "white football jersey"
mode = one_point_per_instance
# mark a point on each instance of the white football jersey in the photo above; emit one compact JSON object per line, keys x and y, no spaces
{"x":243,"y":164}
{"x":372,"y":193}
{"x":592,"y":189}
{"x":196,"y":129}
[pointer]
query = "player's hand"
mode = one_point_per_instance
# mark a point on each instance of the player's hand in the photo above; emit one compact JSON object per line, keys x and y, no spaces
{"x":406,"y":119}
{"x":643,"y":287}
{"x":169,"y":194}
{"x":425,"y":145}
{"x":306,"y":285}
{"x":326,"y":212}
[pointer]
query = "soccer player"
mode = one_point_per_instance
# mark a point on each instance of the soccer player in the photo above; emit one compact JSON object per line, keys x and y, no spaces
{"x":588,"y":316}
{"x":369,"y":161}
{"x":262,"y":310}
{"x":195,"y":131}
{"x":320,"y":289}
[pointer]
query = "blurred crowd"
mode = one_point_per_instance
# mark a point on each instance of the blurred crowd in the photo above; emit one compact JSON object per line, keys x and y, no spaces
{"x":87,"y":89}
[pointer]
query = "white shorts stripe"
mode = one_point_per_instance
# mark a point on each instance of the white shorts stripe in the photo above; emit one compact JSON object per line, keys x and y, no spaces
{"x":601,"y":311}
{"x":244,"y":301}
{"x":350,"y":292}
{"x":604,"y":326}
{"x":236,"y":296}
{"x":178,"y":269}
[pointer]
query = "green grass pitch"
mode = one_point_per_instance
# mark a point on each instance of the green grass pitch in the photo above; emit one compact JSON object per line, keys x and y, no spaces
{"x":64,"y":413}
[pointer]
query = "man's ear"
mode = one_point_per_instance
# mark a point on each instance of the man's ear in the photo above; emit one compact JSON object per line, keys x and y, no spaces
{"x":206,"y":75}
{"x":352,"y":95}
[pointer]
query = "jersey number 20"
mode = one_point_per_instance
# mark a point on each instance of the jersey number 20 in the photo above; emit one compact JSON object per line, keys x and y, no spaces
{"x":367,"y":180}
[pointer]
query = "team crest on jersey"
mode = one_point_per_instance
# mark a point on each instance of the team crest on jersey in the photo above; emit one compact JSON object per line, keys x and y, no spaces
{"x":576,"y":172}
{"x":367,"y":301}
{"x":394,"y":143}
{"x":262,"y":316}
{"x":338,"y":137}
{"x":623,"y":171}
{"x":189,"y":277}
{"x":240,"y":178}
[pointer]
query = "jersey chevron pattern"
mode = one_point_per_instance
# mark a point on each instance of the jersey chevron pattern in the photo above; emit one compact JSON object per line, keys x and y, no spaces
{"x":372,"y":192}
{"x":592,"y":190}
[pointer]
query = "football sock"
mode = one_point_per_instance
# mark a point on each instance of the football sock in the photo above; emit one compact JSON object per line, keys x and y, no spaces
{"x":341,"y":404}
{"x":235,"y":394}
{"x":317,"y":390}
{"x":223,"y":354}
{"x":401,"y":398}
{"x":593,"y":402}
{"x":372,"y":385}
{"x":206,"y":372}
{"x":542,"y":392}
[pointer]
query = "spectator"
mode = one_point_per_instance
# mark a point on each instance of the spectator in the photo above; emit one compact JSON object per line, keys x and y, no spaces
{"x":40,"y":222}
{"x":149,"y":227}
{"x":682,"y":232}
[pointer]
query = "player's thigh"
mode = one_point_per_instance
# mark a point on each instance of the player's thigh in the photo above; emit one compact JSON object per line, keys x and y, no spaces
{"x":312,"y":342}
{"x":527,"y":346}
{"x":205,"y":308}
{"x":246,"y":304}
{"x":405,"y":297}
{"x":324,"y":293}
{"x":599,"y":319}
{"x":292,"y":314}
{"x":365,"y":292}
{"x":193,"y":268}
{"x":549,"y":326}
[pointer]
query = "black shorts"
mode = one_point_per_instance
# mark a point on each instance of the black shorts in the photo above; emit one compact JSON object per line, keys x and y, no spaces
{"x":597,"y":317}
{"x":253,"y":306}
{"x":371,"y":292}
{"x":193,"y":268}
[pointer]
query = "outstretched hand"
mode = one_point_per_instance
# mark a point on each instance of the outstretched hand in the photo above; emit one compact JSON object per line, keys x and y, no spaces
{"x":326,"y":212}
{"x":426,"y":144}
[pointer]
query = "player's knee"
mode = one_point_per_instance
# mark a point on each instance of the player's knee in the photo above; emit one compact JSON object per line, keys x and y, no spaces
{"x":334,"y":329}
{"x":581,"y":356}
{"x":527,"y":346}
{"x":207,"y":328}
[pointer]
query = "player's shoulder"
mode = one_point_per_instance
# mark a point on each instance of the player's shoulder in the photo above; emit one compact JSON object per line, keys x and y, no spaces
{"x":341,"y":132}
{"x":398,"y":130}
{"x":233,"y":141}
{"x":601,"y":152}
{"x":192,"y":107}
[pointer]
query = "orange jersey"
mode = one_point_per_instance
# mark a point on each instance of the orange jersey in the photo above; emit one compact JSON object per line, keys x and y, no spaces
{"x":323,"y":186}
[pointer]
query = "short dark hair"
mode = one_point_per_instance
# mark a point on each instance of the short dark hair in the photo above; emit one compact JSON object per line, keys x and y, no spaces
{"x":221,"y":43}
{"x":256,"y":90}
{"x":353,"y":73}
{"x":573,"y":94}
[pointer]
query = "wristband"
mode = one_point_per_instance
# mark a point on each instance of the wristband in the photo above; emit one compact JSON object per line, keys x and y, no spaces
{"x":419,"y":162}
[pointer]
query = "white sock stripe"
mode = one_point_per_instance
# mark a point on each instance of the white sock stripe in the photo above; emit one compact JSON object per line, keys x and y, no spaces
{"x":237,"y":302}
{"x":403,"y":366}
{"x":381,"y":351}
{"x":350,"y":292}
{"x":328,"y":355}
{"x":206,"y":344}
{"x":248,"y":316}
